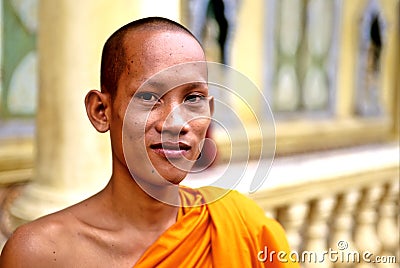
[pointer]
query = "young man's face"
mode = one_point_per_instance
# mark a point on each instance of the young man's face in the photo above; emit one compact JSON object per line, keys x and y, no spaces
{"x":161,"y":111}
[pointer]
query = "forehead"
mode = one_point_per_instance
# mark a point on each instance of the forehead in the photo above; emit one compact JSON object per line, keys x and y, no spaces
{"x":165,"y":55}
{"x":149,"y":52}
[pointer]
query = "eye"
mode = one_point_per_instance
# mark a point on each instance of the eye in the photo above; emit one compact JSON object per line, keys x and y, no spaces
{"x":194,"y":98}
{"x":147,"y":96}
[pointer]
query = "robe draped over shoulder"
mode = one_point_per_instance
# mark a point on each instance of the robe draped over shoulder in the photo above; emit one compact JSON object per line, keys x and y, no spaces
{"x":215,"y":231}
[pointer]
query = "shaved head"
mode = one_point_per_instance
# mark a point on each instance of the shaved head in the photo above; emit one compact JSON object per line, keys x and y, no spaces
{"x":114,"y":59}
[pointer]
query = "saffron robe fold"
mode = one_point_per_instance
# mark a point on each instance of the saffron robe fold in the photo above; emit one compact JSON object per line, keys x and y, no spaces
{"x":229,"y":232}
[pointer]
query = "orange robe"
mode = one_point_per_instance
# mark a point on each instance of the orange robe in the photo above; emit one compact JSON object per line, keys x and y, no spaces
{"x":229,"y":232}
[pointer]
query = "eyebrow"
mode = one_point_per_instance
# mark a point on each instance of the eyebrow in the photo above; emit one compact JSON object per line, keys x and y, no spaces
{"x":164,"y":86}
{"x":192,"y":85}
{"x":155,"y":84}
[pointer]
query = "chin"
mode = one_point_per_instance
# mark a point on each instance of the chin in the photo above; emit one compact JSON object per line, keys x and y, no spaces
{"x":174,"y":177}
{"x":173,"y":173}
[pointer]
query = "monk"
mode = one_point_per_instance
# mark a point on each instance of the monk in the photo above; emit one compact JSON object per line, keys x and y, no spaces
{"x":157,"y":120}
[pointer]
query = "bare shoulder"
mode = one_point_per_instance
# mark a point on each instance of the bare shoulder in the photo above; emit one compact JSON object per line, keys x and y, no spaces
{"x":39,"y":243}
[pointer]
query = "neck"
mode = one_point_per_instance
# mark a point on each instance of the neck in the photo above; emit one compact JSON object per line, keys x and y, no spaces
{"x":132,"y":204}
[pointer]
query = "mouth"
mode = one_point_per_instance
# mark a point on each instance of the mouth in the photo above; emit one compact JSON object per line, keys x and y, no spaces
{"x":171,"y":150}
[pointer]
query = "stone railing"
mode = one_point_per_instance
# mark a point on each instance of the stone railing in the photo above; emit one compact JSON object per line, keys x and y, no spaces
{"x":345,"y":200}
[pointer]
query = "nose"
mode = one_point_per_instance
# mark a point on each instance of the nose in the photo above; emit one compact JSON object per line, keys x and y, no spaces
{"x":173,"y":120}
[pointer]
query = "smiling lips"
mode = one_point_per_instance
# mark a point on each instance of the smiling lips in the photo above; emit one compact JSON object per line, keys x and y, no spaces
{"x":171,"y":150}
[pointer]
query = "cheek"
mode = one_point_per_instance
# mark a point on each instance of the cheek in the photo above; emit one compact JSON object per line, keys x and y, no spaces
{"x":135,"y":122}
{"x":133,"y":142}
{"x":133,"y":127}
{"x":200,"y":127}
{"x":150,"y":120}
{"x":134,"y":132}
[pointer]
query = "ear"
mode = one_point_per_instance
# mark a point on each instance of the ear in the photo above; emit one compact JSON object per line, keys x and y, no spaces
{"x":97,"y":105}
{"x":211,"y":104}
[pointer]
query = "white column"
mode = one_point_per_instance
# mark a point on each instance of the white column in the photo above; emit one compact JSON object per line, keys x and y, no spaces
{"x":318,"y":230}
{"x":293,"y":218}
{"x":387,"y":224}
{"x":341,"y":238}
{"x":365,"y":235}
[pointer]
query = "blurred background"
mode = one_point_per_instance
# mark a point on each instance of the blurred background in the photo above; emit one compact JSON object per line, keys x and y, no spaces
{"x":328,"y":68}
